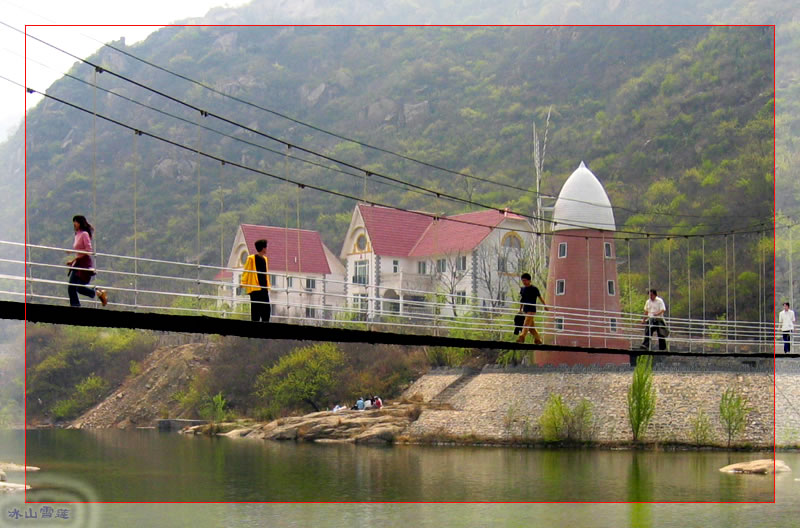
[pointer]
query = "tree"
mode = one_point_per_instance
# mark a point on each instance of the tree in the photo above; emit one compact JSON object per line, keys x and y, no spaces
{"x":733,"y":411}
{"x":450,"y":277}
{"x":308,"y":375}
{"x":641,"y":397}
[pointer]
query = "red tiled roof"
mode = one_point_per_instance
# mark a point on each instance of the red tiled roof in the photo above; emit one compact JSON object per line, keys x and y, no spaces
{"x":393,"y":233}
{"x":223,"y":275}
{"x":448,"y":236}
{"x":309,"y":259}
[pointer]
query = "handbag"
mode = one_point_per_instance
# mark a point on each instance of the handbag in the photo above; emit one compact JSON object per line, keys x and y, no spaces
{"x":519,"y":321}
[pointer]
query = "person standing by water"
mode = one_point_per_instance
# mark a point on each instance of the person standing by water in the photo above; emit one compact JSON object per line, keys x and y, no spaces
{"x":654,"y":307}
{"x":81,"y":271}
{"x":527,"y":305}
{"x":255,"y":280}
{"x":786,"y":320}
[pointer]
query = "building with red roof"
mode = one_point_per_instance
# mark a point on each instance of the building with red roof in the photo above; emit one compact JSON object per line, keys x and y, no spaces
{"x":396,"y":259}
{"x":306,"y":278}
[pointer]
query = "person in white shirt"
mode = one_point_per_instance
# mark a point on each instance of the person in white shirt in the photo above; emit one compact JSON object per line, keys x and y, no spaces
{"x":786,"y":320}
{"x":654,"y":309}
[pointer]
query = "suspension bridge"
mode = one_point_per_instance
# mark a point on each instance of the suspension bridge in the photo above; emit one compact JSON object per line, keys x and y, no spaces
{"x":170,"y":296}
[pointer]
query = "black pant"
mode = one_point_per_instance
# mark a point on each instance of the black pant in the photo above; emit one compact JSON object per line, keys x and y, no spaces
{"x":259,"y":306}
{"x":787,"y":343}
{"x":652,"y":326}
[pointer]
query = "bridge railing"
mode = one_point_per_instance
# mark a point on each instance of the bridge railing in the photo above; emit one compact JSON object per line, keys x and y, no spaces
{"x":143,"y":284}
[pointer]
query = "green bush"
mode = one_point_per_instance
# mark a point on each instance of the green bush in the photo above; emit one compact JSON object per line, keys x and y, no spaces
{"x":559,"y":423}
{"x":733,"y":411}
{"x":214,"y":409}
{"x":641,"y":397}
{"x":307,"y":375}
{"x":701,"y":428}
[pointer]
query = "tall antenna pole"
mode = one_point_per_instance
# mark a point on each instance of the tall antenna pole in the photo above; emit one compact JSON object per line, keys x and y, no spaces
{"x":539,"y":248}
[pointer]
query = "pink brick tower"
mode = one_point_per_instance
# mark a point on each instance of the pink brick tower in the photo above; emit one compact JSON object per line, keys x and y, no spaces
{"x":582,"y":285}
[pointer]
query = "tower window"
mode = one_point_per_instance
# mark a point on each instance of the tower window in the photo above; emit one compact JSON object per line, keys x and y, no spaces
{"x":611,"y":290}
{"x":561,"y":286}
{"x":612,"y":323}
{"x":559,"y":324}
{"x":607,"y":246}
{"x":562,"y":250}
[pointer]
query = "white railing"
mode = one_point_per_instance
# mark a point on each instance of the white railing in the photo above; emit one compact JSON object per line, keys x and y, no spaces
{"x":179,"y":287}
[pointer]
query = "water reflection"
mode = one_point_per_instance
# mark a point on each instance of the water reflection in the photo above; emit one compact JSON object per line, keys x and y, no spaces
{"x":148,"y":466}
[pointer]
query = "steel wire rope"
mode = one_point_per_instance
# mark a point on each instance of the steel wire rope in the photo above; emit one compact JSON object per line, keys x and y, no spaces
{"x":309,"y":151}
{"x":367,"y":145}
{"x":341,"y":194}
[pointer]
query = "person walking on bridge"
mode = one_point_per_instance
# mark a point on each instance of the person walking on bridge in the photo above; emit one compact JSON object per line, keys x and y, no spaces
{"x":654,"y":309}
{"x":786,"y":320}
{"x":527,"y":305}
{"x":81,"y":267}
{"x":255,"y":280}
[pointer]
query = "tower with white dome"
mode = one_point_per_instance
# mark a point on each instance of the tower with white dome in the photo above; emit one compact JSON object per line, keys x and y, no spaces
{"x":582,"y":285}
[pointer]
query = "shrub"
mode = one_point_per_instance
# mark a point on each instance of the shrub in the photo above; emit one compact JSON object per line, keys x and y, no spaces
{"x":701,"y":428}
{"x":733,"y":411}
{"x":214,"y":409}
{"x":641,"y":397}
{"x":560,"y":423}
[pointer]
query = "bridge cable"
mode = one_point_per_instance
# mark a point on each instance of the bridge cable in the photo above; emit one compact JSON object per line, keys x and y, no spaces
{"x":727,"y":297}
{"x":689,"y":290}
{"x":733,"y":253}
{"x":321,"y":189}
{"x":703,"y":275}
{"x":135,"y":221}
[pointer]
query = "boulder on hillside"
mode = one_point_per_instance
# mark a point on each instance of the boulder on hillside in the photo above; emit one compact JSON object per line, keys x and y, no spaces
{"x":758,"y":467}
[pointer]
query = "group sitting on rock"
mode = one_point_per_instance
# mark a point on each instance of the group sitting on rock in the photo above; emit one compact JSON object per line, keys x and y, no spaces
{"x":363,"y":404}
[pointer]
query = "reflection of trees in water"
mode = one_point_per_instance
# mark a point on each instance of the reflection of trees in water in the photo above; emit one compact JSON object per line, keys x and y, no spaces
{"x":640,"y":489}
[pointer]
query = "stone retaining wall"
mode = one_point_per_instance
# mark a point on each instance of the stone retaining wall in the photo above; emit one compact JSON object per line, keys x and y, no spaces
{"x":501,"y":404}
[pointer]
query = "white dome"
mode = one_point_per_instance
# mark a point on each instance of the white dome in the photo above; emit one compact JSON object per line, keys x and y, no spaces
{"x":583,"y":204}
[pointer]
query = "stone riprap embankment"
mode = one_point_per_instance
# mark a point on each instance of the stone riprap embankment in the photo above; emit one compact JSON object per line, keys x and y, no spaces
{"x":502,"y":405}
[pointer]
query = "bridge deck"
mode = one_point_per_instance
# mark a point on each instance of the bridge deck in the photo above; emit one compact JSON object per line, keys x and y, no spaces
{"x":197,"y":324}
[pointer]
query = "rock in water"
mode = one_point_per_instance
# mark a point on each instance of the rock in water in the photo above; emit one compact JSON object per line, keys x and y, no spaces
{"x":760,"y":467}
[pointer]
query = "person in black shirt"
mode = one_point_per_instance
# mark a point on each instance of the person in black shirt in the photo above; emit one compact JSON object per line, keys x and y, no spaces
{"x":527,"y":305}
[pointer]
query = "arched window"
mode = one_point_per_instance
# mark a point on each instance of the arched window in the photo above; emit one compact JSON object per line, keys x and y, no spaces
{"x":243,"y":257}
{"x":361,"y":243}
{"x":512,"y":241}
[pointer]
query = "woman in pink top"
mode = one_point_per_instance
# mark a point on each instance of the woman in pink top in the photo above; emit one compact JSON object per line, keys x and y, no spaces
{"x":81,"y":273}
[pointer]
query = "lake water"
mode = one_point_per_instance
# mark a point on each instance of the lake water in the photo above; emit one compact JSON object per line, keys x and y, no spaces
{"x":147,"y":466}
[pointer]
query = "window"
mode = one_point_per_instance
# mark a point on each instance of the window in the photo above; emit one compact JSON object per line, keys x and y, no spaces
{"x":559,"y":324}
{"x":612,"y":323}
{"x":562,"y":250}
{"x":461,"y":263}
{"x":395,"y":266}
{"x":611,"y":290}
{"x":310,"y":313}
{"x":502,"y":264}
{"x":561,"y":286}
{"x":361,"y":243}
{"x":422,"y":267}
{"x":607,"y":246}
{"x":461,"y":297}
{"x":239,"y":291}
{"x":512,"y":241}
{"x":361,"y":302}
{"x":273,"y":281}
{"x":289,"y":282}
{"x":361,"y":272}
{"x":243,"y":257}
{"x":311,"y":284}
{"x":441,"y":265}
